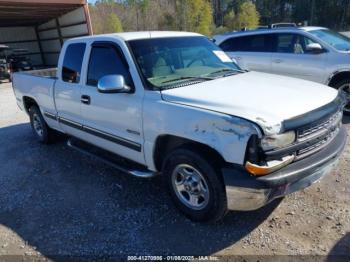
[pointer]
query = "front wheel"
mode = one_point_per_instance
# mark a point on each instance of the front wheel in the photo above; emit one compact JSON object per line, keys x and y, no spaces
{"x":195,"y":185}
{"x":345,"y":86}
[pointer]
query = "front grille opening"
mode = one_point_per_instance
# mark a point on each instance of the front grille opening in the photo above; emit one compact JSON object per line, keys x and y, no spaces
{"x":319,"y":125}
{"x":323,"y":130}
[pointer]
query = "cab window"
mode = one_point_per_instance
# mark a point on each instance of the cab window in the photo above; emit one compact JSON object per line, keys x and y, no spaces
{"x":72,"y":63}
{"x":106,"y":60}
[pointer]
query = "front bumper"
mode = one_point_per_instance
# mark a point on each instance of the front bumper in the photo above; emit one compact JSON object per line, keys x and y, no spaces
{"x":245,"y":192}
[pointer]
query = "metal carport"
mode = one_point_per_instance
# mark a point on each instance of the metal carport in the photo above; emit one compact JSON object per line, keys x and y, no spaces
{"x":42,"y":26}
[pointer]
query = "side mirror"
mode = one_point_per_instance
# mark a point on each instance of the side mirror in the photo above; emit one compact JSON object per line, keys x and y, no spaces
{"x":315,"y":48}
{"x":112,"y":84}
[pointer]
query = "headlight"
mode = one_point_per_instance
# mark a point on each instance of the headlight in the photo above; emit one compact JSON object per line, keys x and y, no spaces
{"x":278,"y":141}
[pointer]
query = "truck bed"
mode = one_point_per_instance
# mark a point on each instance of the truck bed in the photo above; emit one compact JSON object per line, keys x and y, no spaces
{"x":38,"y":85}
{"x":47,"y":73}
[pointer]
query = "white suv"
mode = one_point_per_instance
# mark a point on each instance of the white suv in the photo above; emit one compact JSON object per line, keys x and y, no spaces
{"x":312,"y":53}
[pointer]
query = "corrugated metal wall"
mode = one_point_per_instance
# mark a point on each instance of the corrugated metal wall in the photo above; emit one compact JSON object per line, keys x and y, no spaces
{"x":23,"y":38}
{"x":45,"y":41}
{"x":53,"y":33}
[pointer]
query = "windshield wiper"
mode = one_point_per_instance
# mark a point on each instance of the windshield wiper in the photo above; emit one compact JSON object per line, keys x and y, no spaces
{"x":192,"y":78}
{"x":231,"y":70}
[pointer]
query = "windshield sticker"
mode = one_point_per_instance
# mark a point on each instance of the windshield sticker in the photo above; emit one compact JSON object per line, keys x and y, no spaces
{"x":222,"y":56}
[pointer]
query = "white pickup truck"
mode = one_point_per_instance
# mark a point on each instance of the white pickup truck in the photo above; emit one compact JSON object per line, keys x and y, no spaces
{"x":173,"y":104}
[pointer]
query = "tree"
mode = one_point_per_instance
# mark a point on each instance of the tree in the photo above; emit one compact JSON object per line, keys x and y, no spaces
{"x":245,"y":16}
{"x":204,"y":19}
{"x":230,"y":20}
{"x":113,"y":24}
{"x":194,"y":15}
{"x":248,"y":16}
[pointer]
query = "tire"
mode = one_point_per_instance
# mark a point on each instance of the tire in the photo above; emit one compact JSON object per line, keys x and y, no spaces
{"x":344,"y":84}
{"x":40,"y":129}
{"x":190,"y":176}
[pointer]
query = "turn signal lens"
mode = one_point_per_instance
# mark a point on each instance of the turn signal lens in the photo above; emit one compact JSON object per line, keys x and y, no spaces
{"x":271,"y":166}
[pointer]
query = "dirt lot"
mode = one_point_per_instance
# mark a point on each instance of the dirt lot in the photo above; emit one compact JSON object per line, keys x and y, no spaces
{"x":55,"y":201}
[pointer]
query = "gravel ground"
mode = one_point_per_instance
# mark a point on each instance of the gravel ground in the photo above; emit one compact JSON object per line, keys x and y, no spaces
{"x":55,"y":201}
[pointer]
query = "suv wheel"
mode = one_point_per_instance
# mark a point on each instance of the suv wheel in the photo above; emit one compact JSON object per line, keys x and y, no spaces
{"x":345,"y":85}
{"x":195,"y":185}
{"x":39,"y":126}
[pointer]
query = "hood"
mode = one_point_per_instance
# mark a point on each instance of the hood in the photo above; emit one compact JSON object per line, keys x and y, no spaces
{"x":265,"y":99}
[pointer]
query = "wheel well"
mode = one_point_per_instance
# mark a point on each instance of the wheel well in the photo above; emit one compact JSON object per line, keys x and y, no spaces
{"x":337,"y":78}
{"x":167,"y":143}
{"x":28,"y":103}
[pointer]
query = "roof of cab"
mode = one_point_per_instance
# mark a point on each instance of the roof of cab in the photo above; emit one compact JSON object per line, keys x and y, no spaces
{"x":141,"y":35}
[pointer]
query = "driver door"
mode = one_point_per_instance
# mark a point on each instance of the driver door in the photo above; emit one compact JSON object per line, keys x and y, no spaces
{"x":112,"y":121}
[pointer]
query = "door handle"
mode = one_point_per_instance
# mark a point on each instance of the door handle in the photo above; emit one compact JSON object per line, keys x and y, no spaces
{"x":85,"y":99}
{"x":238,"y":58}
{"x":278,"y":61}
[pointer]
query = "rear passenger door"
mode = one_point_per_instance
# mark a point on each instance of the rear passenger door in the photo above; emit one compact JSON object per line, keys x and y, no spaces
{"x":68,"y":88}
{"x":251,"y":52}
{"x":291,"y":57}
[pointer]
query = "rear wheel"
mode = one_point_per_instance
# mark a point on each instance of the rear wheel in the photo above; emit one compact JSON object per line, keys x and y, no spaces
{"x":41,"y":130}
{"x":195,"y":185}
{"x":345,"y":86}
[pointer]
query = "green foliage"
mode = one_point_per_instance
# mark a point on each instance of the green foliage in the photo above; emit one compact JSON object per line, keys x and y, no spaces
{"x":334,"y":14}
{"x":220,"y":30}
{"x":113,"y":24}
{"x":194,"y":15}
{"x":204,"y":19}
{"x":198,"y":15}
{"x":247,"y":16}
{"x":230,"y":20}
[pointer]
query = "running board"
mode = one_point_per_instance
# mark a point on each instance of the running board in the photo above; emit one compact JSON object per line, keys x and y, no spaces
{"x":111,"y":159}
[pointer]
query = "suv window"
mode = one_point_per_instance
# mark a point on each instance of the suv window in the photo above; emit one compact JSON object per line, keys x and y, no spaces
{"x":251,"y":43}
{"x":106,"y":60}
{"x":292,"y":43}
{"x":72,"y":63}
{"x":231,"y":45}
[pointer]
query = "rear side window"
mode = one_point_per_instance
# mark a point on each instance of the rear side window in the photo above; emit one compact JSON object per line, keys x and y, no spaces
{"x":285,"y":43}
{"x":252,"y":43}
{"x":106,"y":60}
{"x":231,"y":45}
{"x":72,"y":63}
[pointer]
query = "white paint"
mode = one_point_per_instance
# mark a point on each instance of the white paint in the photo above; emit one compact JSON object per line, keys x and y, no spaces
{"x":214,"y":113}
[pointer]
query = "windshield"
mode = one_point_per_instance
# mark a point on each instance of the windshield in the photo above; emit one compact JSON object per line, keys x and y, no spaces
{"x":335,"y":39}
{"x":169,"y":62}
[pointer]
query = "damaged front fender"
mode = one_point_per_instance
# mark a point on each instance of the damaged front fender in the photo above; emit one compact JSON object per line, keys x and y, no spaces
{"x":228,"y":135}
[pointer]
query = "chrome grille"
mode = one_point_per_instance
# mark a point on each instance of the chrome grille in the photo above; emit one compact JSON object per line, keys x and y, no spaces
{"x":319,"y":125}
{"x":321,"y":131}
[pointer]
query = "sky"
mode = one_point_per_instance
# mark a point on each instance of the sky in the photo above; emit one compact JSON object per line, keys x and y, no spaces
{"x":91,"y":1}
